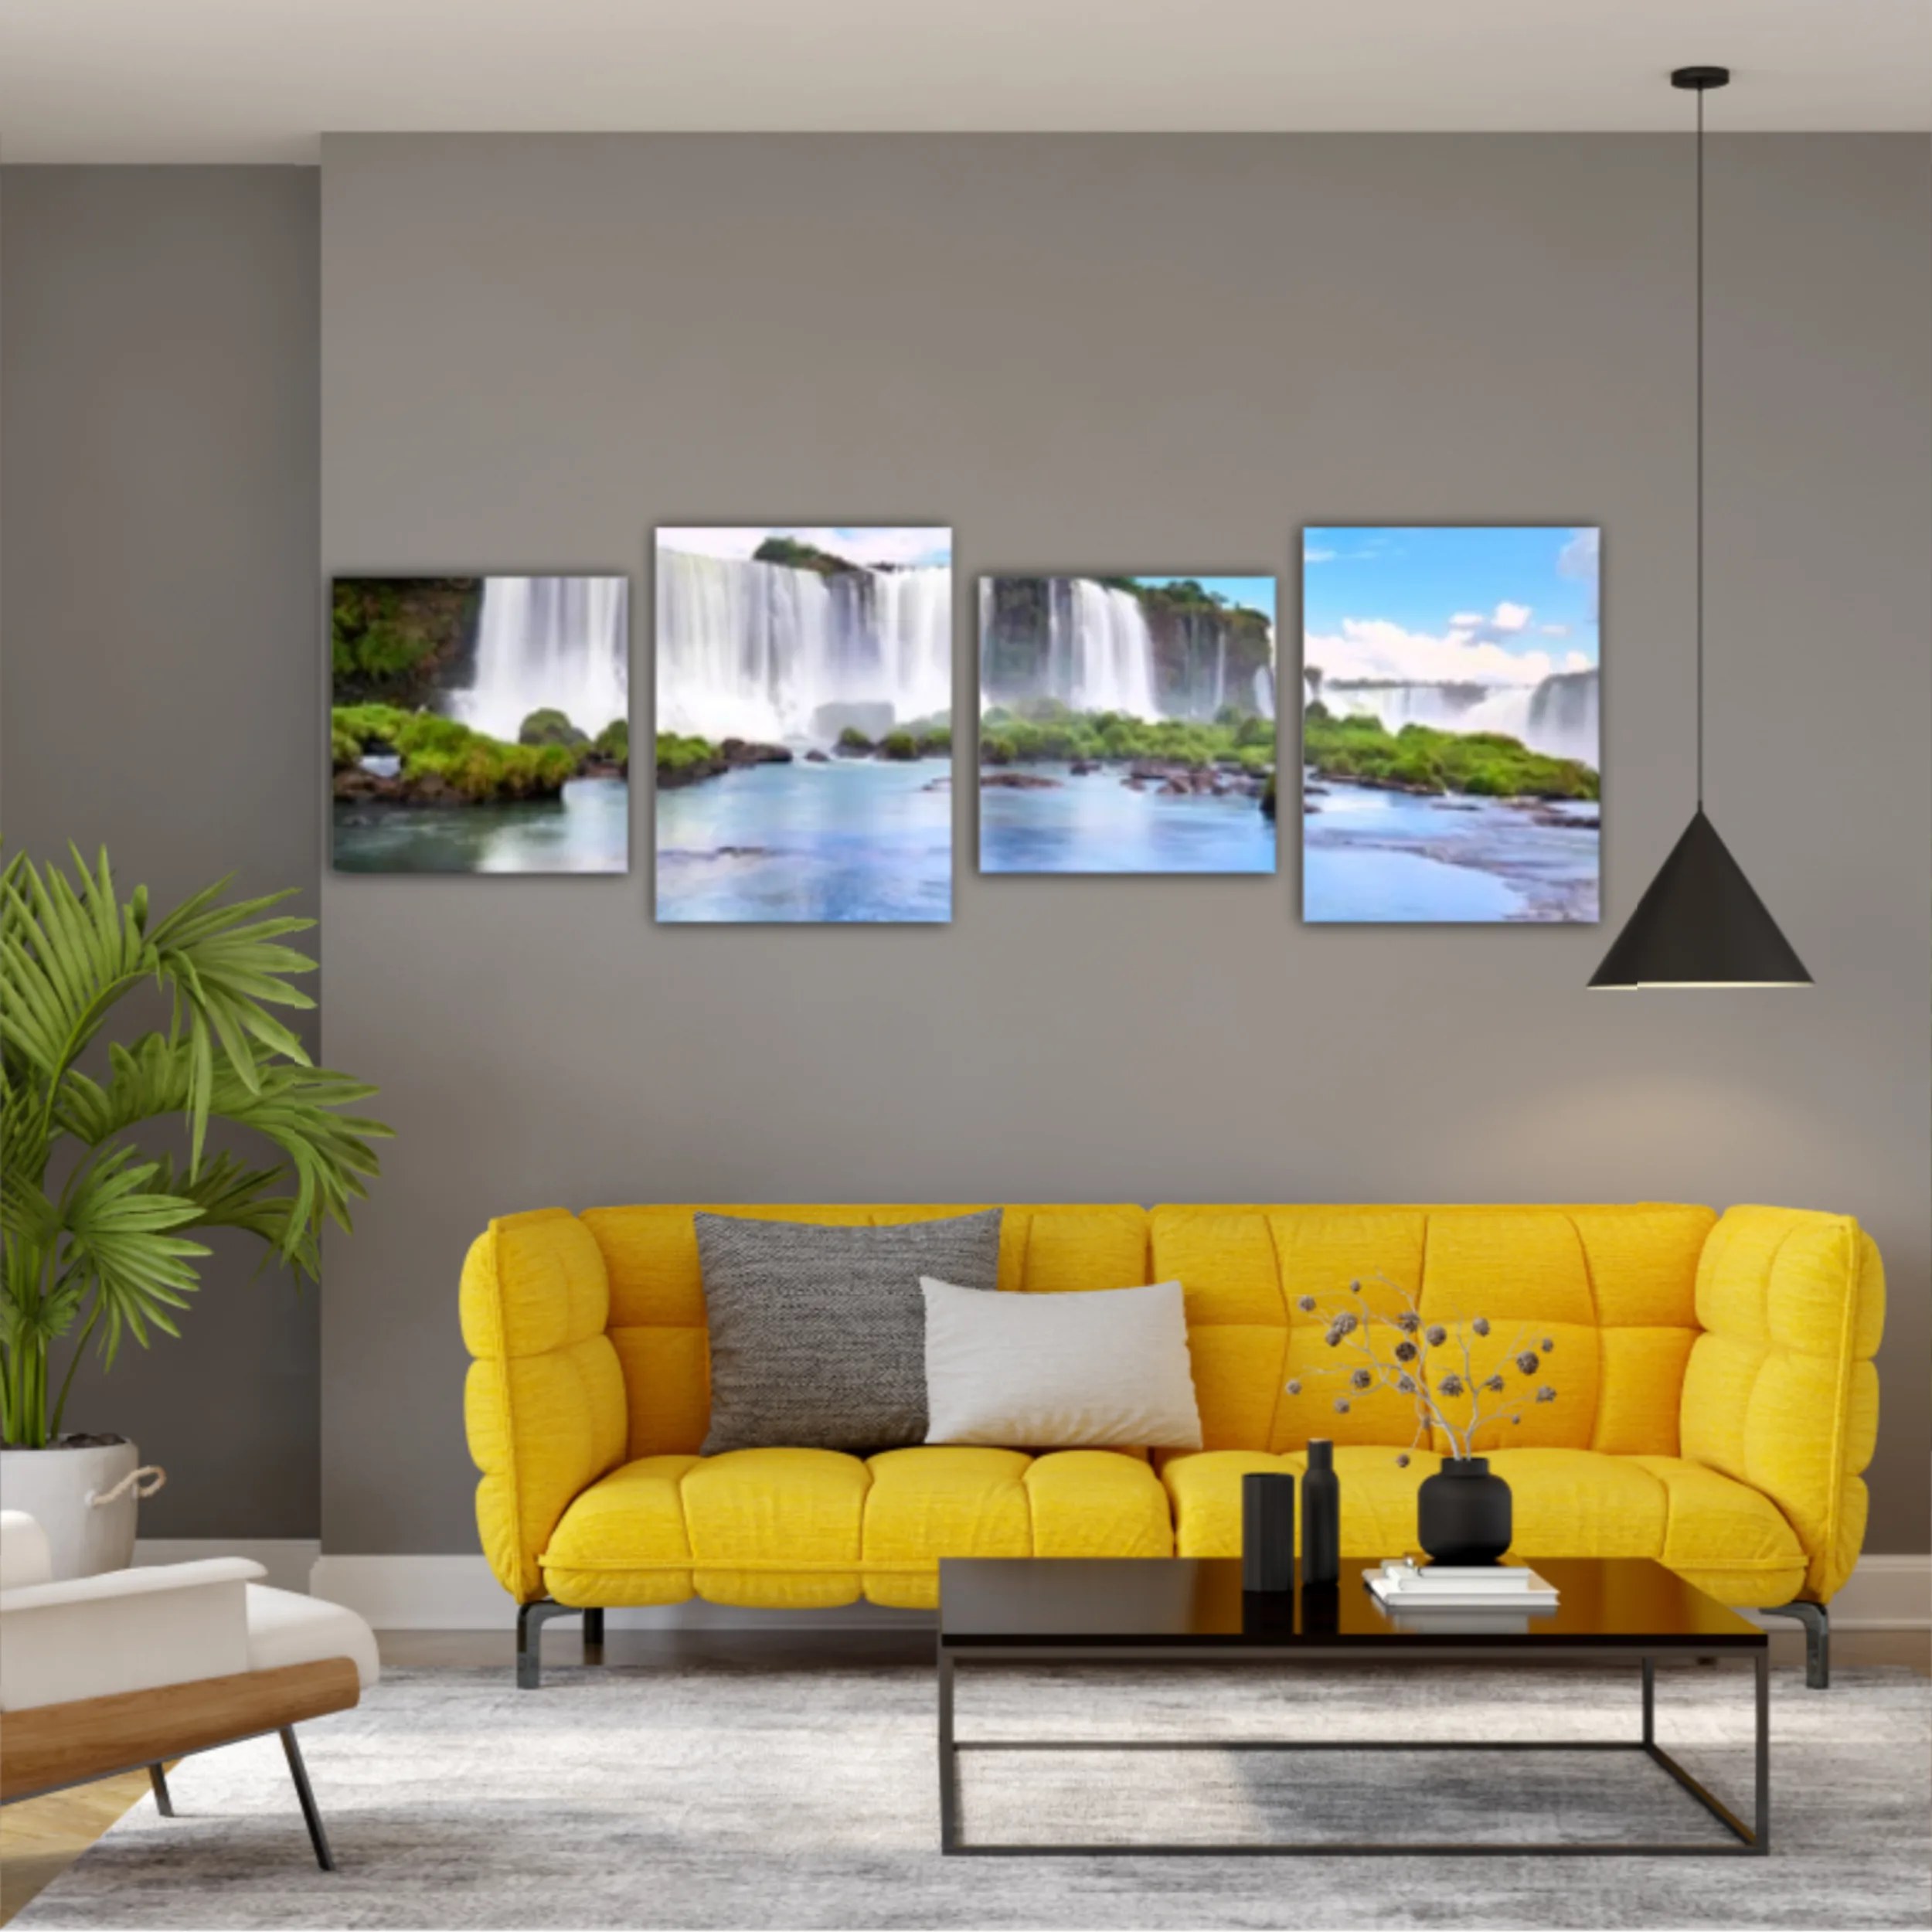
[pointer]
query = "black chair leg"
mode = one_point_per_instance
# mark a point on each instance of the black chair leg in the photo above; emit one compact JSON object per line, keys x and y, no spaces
{"x":530,"y":1620}
{"x":311,"y":1817}
{"x":1817,"y":1621}
{"x":158,"y":1777}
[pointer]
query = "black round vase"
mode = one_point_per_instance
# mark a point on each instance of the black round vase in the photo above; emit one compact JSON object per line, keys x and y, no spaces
{"x":1463,"y":1513}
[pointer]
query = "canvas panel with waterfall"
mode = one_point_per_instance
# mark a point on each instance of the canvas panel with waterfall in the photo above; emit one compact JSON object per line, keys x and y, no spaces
{"x":480,"y":724}
{"x":1126,"y":724}
{"x":805,"y":683}
{"x":1450,"y":732}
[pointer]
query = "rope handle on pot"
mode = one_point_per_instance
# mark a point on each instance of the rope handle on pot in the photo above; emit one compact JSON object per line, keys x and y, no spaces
{"x":132,"y":1480}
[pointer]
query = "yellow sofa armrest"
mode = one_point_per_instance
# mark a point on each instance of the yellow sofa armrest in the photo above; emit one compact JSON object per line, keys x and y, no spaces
{"x":1781,"y":1392}
{"x":543,"y":1405}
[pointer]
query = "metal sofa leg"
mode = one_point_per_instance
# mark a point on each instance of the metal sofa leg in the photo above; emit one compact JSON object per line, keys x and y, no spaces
{"x":1817,"y":1621}
{"x":530,"y":1620}
{"x":158,"y":1777}
{"x":311,"y":1817}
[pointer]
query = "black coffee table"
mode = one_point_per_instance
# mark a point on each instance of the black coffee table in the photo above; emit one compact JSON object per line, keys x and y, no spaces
{"x":1183,"y":1609}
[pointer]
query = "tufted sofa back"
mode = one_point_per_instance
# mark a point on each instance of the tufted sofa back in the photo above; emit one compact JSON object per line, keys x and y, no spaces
{"x":1613,"y":1288}
{"x":657,"y":1319}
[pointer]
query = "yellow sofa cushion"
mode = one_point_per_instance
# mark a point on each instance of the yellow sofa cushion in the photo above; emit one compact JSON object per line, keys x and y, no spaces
{"x":1614,"y":1287}
{"x":544,"y":1402}
{"x":1724,"y":1537}
{"x":657,"y":1310}
{"x":1780,"y":1392}
{"x":791,"y":1528}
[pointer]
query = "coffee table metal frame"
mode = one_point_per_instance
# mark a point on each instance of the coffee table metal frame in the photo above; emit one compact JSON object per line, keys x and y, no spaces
{"x":1748,"y":1841}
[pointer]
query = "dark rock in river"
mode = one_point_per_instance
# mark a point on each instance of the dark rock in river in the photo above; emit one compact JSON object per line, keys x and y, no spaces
{"x":1081,"y":767}
{"x":817,"y":758}
{"x":736,"y":751}
{"x":1017,"y":781}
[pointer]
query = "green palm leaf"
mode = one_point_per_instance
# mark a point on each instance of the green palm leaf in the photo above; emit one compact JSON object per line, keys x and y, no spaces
{"x":109,"y":1253}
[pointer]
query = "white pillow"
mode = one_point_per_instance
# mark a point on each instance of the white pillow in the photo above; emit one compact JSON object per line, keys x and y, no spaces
{"x":1106,"y":1369}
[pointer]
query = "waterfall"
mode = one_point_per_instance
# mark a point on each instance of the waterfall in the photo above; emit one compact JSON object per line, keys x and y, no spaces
{"x":559,"y":643}
{"x":1100,"y":653}
{"x":1558,"y":715}
{"x":753,"y":650}
{"x":1264,"y":691}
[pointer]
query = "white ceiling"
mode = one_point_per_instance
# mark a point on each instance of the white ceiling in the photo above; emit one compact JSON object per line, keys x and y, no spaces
{"x":202,"y":80}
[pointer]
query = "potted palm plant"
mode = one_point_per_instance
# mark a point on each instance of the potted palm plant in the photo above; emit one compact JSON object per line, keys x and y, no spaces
{"x":108,"y":1177}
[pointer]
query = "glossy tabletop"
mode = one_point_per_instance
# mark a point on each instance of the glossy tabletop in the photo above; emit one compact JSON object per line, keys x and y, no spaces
{"x":1197,"y":1603}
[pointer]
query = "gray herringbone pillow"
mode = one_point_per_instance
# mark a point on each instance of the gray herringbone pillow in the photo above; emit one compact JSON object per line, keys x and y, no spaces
{"x":819,"y":1334}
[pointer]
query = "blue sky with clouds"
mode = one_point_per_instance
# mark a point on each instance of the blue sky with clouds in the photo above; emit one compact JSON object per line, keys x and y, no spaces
{"x":1501,"y":604}
{"x":905,"y":545}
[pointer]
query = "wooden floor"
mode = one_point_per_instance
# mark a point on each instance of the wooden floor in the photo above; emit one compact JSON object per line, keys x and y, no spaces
{"x":40,"y":1837}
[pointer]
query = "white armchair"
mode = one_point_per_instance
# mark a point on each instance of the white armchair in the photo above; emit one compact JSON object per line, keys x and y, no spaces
{"x":110,"y":1673}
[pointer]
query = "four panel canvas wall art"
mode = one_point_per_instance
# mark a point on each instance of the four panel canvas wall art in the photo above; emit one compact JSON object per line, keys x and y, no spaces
{"x":805,"y":690}
{"x":1449,"y":724}
{"x":1449,"y":709}
{"x":1126,"y":724}
{"x":480,"y":724}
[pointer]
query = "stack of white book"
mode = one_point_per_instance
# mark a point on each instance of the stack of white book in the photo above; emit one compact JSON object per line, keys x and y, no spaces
{"x":1404,"y":1585}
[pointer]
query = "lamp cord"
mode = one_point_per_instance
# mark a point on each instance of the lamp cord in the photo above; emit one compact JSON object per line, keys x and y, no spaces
{"x":1700,"y":450}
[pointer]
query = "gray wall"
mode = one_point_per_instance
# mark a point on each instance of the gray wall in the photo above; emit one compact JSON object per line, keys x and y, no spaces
{"x":159,"y":470}
{"x":1146,"y":352}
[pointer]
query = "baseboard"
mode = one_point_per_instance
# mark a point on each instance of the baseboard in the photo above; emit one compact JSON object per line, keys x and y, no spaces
{"x":287,"y":1559}
{"x":1885,"y":1593}
{"x":459,"y":1593}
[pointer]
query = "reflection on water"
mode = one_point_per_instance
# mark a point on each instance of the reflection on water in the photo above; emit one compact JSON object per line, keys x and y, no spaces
{"x":1097,"y":824}
{"x":851,"y":840}
{"x":586,"y":830}
{"x":1372,"y":855}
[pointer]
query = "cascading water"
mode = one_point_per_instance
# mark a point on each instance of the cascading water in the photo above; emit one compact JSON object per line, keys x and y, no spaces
{"x":755,"y":651}
{"x":548,"y":643}
{"x":1558,"y":715}
{"x":1100,"y":653}
{"x":1264,"y":691}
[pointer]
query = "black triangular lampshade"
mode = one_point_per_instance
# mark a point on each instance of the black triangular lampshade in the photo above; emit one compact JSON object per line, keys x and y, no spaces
{"x":1701,"y":924}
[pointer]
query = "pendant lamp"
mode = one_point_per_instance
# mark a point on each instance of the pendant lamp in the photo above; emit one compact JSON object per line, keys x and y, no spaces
{"x":1700,"y":924}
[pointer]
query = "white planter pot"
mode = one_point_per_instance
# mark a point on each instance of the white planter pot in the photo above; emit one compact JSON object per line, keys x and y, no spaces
{"x":56,"y":1487}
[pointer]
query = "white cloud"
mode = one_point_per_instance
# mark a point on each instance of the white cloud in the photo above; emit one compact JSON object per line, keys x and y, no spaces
{"x":1577,"y":661}
{"x":908,"y":545}
{"x":1555,"y":629}
{"x":1581,"y":556}
{"x":1506,"y":621}
{"x":1375,"y":648}
{"x":1316,"y":557}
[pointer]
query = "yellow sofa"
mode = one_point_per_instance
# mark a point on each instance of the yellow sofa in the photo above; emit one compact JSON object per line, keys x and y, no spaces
{"x":1716,"y":1404}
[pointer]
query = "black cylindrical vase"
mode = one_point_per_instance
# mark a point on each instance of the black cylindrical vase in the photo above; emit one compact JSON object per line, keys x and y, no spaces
{"x":1463,"y":1513}
{"x":1321,"y":1517}
{"x":1267,"y":1532}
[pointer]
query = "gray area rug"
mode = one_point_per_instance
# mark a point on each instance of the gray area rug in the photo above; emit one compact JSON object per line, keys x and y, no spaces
{"x":710,"y":1796}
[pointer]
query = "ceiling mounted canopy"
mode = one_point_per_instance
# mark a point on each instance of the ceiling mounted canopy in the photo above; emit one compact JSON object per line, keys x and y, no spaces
{"x":1701,"y":924}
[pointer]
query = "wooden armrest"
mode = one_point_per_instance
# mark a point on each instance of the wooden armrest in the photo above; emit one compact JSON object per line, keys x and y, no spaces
{"x":57,"y":1745}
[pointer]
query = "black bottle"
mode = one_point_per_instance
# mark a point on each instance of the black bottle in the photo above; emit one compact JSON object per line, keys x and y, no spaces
{"x":1267,"y":1532}
{"x":1321,"y":1518}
